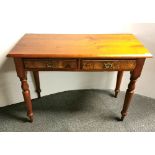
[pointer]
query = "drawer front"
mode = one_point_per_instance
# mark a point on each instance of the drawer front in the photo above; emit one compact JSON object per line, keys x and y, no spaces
{"x":108,"y":65}
{"x":50,"y":64}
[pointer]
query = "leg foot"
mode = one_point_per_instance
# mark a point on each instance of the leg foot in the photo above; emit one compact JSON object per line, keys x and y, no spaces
{"x":116,"y":93}
{"x":123,"y":115}
{"x":31,"y":118}
{"x":122,"y":118}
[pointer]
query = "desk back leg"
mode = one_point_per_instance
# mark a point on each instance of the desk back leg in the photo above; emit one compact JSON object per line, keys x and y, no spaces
{"x":37,"y":82}
{"x":118,"y":82}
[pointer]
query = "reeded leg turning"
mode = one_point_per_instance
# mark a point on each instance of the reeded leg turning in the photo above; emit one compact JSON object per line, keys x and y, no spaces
{"x":22,"y":74}
{"x":118,"y":82}
{"x":135,"y":74}
{"x":37,"y":82}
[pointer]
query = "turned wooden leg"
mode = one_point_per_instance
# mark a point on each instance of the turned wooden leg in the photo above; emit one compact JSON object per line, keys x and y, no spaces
{"x":24,"y":85}
{"x":135,"y":74}
{"x":37,"y":82}
{"x":27,"y":97}
{"x":118,"y":82}
{"x":128,"y":96}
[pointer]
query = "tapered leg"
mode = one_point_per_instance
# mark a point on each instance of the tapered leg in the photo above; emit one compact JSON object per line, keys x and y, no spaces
{"x":135,"y":74}
{"x":118,"y":82}
{"x":37,"y":82}
{"x":24,"y":85}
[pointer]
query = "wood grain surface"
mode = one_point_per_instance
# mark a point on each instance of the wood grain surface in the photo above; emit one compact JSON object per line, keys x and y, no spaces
{"x":79,"y":46}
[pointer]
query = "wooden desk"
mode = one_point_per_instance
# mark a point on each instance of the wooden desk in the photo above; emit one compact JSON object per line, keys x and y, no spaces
{"x":79,"y":52}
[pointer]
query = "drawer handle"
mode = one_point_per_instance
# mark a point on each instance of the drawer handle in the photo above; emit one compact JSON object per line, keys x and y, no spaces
{"x":108,"y":65}
{"x":88,"y":65}
{"x":50,"y":65}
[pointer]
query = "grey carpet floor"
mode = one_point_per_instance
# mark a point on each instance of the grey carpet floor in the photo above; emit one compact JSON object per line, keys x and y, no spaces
{"x":80,"y":111}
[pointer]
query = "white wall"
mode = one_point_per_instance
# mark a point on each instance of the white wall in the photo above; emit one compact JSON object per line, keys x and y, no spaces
{"x":19,"y":17}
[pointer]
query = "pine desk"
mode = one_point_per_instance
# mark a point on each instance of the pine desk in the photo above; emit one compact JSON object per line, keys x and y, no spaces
{"x":79,"y":52}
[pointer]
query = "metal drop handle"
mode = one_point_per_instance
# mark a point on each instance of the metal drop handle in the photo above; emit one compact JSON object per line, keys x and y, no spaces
{"x":51,"y":65}
{"x":108,"y":65}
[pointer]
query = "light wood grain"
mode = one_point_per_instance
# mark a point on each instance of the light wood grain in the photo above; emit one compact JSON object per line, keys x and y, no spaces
{"x":79,"y":46}
{"x":79,"y":52}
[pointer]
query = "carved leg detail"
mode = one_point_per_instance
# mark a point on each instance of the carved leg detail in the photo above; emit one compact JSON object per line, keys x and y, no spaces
{"x":22,"y":74}
{"x":37,"y":82}
{"x":135,"y":74}
{"x":128,"y":97}
{"x":27,"y":98}
{"x":118,"y":83}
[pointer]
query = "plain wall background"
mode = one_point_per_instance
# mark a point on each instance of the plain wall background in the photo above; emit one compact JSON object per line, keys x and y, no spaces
{"x":19,"y":17}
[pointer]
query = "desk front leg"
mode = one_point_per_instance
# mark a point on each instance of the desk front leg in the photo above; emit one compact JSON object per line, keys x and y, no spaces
{"x":22,"y":74}
{"x":135,"y":74}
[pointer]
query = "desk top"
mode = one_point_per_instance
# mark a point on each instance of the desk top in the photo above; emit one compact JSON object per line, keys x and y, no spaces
{"x":79,"y":46}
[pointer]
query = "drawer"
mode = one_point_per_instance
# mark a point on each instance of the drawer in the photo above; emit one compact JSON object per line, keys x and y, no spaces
{"x":51,"y":64}
{"x":108,"y":65}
